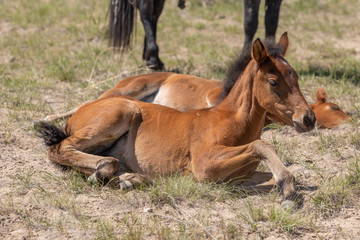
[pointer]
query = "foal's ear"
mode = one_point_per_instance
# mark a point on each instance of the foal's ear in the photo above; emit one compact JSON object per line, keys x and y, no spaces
{"x":321,"y":95}
{"x":283,"y":43}
{"x":258,"y":51}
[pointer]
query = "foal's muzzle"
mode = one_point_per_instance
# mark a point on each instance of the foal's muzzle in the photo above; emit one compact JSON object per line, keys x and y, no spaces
{"x":304,"y":120}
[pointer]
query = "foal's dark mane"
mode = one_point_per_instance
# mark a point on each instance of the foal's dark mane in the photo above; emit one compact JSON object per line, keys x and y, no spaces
{"x":239,"y":63}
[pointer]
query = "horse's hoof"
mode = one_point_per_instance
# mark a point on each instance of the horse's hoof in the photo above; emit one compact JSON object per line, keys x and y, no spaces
{"x":181,"y":4}
{"x":289,"y":205}
{"x":126,"y":186}
{"x":294,"y":202}
{"x":92,"y":179}
{"x":155,"y":65}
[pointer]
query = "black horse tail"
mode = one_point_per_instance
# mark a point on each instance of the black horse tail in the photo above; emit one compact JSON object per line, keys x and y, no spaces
{"x":50,"y":133}
{"x":121,"y":23}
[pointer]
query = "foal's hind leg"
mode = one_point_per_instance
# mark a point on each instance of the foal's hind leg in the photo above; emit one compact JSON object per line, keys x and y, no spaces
{"x":225,"y":163}
{"x":68,"y":153}
{"x":93,"y":130}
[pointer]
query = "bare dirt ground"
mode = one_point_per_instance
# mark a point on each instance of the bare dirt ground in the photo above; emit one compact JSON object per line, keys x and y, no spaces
{"x":40,"y":200}
{"x":36,"y":204}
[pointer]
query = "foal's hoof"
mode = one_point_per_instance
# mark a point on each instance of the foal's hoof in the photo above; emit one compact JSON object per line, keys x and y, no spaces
{"x":126,"y":186}
{"x":293,"y":203}
{"x":92,"y":179}
{"x":289,"y":205}
{"x":106,"y":168}
{"x":124,"y":183}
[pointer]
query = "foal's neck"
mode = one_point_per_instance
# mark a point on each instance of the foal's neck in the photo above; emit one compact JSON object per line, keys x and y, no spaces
{"x":242,"y":102}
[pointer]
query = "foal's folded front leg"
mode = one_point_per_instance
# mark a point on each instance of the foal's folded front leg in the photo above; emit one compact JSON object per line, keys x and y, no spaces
{"x":221,"y":163}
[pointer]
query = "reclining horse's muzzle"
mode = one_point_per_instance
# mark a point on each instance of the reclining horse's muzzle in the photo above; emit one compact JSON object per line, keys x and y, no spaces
{"x":304,"y":120}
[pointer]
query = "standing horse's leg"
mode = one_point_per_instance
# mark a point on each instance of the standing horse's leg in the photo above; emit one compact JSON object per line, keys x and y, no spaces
{"x":251,"y":11}
{"x":272,"y":10}
{"x":158,"y":8}
{"x":225,"y":163}
{"x":150,"y":11}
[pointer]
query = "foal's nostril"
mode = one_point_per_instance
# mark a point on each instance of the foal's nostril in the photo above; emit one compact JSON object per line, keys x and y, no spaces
{"x":309,"y":120}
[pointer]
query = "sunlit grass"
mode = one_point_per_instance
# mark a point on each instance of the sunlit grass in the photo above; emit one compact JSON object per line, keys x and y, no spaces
{"x":55,"y":54}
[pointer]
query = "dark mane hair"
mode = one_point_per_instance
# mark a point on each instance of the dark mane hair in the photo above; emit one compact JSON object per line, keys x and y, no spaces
{"x":239,"y":63}
{"x":236,"y":68}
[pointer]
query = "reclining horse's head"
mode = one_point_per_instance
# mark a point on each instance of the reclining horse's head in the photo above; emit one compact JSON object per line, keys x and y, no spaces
{"x":328,"y":115}
{"x":277,"y":89}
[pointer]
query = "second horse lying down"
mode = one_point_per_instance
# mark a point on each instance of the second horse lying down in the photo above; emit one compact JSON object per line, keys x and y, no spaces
{"x":328,"y":115}
{"x":134,"y":141}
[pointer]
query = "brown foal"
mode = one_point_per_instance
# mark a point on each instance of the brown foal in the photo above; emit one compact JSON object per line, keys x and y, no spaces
{"x":133,"y":141}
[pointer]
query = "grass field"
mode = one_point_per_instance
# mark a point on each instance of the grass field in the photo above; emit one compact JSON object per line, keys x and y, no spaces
{"x":55,"y":54}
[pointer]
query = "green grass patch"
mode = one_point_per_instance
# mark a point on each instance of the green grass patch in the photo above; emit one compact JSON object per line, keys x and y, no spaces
{"x":338,"y":192}
{"x":178,"y":187}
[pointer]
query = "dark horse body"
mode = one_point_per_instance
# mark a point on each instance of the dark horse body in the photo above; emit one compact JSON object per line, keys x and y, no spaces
{"x":122,"y":22}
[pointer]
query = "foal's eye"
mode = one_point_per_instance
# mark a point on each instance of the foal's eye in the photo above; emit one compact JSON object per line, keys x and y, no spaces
{"x":334,"y":107}
{"x":273,"y":82}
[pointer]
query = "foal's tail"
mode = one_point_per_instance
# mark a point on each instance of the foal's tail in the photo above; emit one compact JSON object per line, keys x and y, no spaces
{"x":50,"y":133}
{"x":121,"y":22}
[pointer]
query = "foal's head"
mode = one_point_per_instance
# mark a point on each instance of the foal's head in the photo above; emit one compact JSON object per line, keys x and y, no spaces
{"x":276,"y":86}
{"x":328,"y":115}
